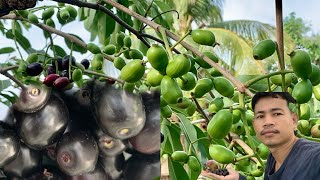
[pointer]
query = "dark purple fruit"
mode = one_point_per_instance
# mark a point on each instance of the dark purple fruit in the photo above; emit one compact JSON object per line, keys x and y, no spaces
{"x":44,"y":127}
{"x":47,"y":173}
{"x":109,"y":146}
{"x":51,"y":70}
{"x":77,"y":153}
{"x":148,"y":139}
{"x":96,"y":174}
{"x":34,"y":69}
{"x":49,"y":79}
{"x":113,"y":165}
{"x":65,"y":61}
{"x":119,"y":113}
{"x":59,"y":62}
{"x":142,"y":168}
{"x":27,"y":162}
{"x":9,"y":145}
{"x":61,"y":82}
{"x":85,"y":63}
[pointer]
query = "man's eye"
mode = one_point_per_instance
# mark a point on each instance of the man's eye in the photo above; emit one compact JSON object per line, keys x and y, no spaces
{"x":277,"y":114}
{"x":259,"y":116}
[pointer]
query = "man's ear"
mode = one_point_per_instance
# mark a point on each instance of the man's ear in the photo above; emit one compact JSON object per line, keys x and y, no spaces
{"x":295,"y":119}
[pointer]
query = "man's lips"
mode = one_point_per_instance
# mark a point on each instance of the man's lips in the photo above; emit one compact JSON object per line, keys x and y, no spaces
{"x":265,"y":131}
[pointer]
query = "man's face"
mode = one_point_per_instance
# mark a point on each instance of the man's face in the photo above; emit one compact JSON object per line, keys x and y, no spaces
{"x":273,"y":122}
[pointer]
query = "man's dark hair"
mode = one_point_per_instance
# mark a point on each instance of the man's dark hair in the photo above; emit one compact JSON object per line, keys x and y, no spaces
{"x":283,"y":95}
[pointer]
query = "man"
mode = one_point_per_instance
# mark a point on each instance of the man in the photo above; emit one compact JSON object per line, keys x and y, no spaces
{"x":274,"y":124}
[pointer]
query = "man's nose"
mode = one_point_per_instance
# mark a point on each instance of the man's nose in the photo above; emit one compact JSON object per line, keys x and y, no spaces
{"x":268,"y":120}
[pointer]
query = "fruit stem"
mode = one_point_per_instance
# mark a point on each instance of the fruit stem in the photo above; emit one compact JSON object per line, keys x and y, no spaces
{"x":244,"y":157}
{"x":200,"y":109}
{"x":106,"y":56}
{"x":70,"y":61}
{"x":190,"y":145}
{"x":269,"y":85}
{"x":299,"y":135}
{"x":166,"y":42}
{"x":254,"y":80}
{"x":121,"y":51}
{"x":181,"y":39}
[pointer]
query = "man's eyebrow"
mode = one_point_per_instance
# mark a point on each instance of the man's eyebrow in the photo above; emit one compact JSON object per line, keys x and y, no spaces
{"x":271,"y":110}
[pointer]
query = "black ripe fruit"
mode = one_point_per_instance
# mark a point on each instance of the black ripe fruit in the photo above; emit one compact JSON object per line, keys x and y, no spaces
{"x":9,"y":144}
{"x":34,"y":69}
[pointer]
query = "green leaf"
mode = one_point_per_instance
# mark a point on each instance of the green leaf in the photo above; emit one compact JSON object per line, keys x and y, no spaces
{"x":76,"y":47}
{"x":203,"y":143}
{"x":176,"y":170}
{"x":188,"y":131}
{"x":259,"y":86}
{"x":106,"y":26}
{"x":165,"y":7}
{"x":139,"y":7}
{"x":7,"y":103}
{"x":6,"y":50}
{"x":59,"y":50}
{"x":125,"y":17}
{"x":172,"y":135}
{"x":24,"y":42}
{"x":4,"y":84}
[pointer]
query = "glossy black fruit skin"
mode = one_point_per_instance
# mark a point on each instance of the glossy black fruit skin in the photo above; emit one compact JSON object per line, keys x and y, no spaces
{"x":119,"y":113}
{"x":113,"y":165}
{"x":9,"y":144}
{"x":51,"y":70}
{"x":97,"y":173}
{"x":77,"y":153}
{"x":148,"y":139}
{"x":34,"y":69}
{"x":47,"y":172}
{"x":65,"y":61}
{"x":85,"y":63}
{"x":109,"y":146}
{"x":44,"y":127}
{"x":27,"y":162}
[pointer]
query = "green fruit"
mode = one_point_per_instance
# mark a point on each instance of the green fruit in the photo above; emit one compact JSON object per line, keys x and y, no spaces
{"x":187,"y":82}
{"x":22,"y":67}
{"x":301,"y":63}
{"x":76,"y":75}
{"x":191,"y":109}
{"x":119,"y":62}
{"x":237,"y":128}
{"x":23,"y":13}
{"x":316,"y":91}
{"x":249,"y":117}
{"x":166,"y":111}
{"x":94,"y":49}
{"x":127,"y":41}
{"x":109,"y":49}
{"x":194,"y":164}
{"x":154,"y":78}
{"x":216,"y":105}
{"x":119,"y":38}
{"x":305,"y":111}
{"x":46,"y":14}
{"x":133,"y":71}
{"x":72,"y":11}
{"x":223,"y":86}
{"x":64,"y":14}
{"x":33,"y":57}
{"x":158,"y":58}
{"x":304,"y":127}
{"x":203,"y":86}
{"x":221,"y":154}
{"x":214,"y":73}
{"x":135,"y":54}
{"x":277,"y":79}
{"x":315,"y":75}
{"x":185,"y":103}
{"x":263,"y":151}
{"x":96,"y":64}
{"x":129,"y":87}
{"x":50,"y":23}
{"x":236,"y":116}
{"x":203,"y":37}
{"x":170,"y":90}
{"x":302,"y":91}
{"x":162,"y":101}
{"x":33,"y":18}
{"x":179,"y":66}
{"x":257,"y":172}
{"x":202,"y":63}
{"x":264,"y":49}
{"x":220,"y":125}
{"x":180,"y":156}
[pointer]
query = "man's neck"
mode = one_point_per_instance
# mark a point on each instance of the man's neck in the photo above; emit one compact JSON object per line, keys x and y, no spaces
{"x":281,"y":152}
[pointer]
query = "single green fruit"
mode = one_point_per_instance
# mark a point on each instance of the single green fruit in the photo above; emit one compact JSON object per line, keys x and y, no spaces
{"x":166,"y":111}
{"x":304,"y":126}
{"x":96,"y":64}
{"x":214,"y":72}
{"x":154,"y":78}
{"x":170,"y":90}
{"x":119,"y":62}
{"x":162,"y":101}
{"x":236,"y":116}
{"x":33,"y":18}
{"x":315,"y":75}
{"x":316,"y":91}
{"x":109,"y":49}
{"x":33,"y":57}
{"x":263,"y":151}
{"x":135,"y":54}
{"x":127,"y":41}
{"x":127,"y":54}
{"x":220,"y":125}
{"x":77,"y":75}
{"x":203,"y":86}
{"x":158,"y":58}
{"x":277,"y":79}
{"x":203,"y":37}
{"x":202,"y":63}
{"x":249,"y":117}
{"x":185,"y":103}
{"x":191,"y":109}
{"x":180,"y":156}
{"x":315,"y":131}
{"x":302,"y":91}
{"x":94,"y":49}
{"x":129,"y":87}
{"x":119,"y":38}
{"x":216,"y":105}
{"x":72,"y":11}
{"x":264,"y":49}
{"x":221,"y":154}
{"x":301,"y":63}
{"x":179,"y":66}
{"x":237,"y":128}
{"x":257,"y":171}
{"x":133,"y":71}
{"x":223,"y":86}
{"x":48,"y":13}
{"x":187,"y":82}
{"x":305,"y":111}
{"x":64,"y":14}
{"x":23,"y":13}
{"x":50,"y":23}
{"x":194,"y":164}
{"x":80,"y":66}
